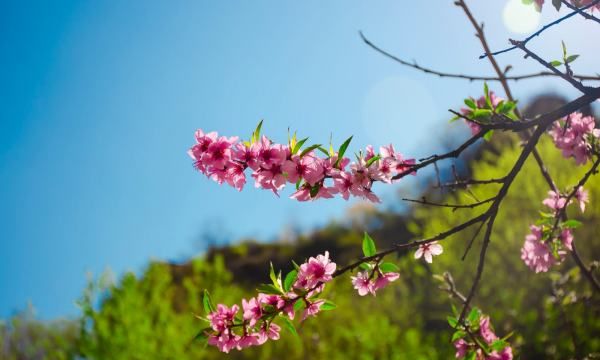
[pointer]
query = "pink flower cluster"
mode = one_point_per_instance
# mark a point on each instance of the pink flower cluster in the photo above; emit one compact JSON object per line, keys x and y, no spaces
{"x":540,"y":250}
{"x":225,"y":160}
{"x":488,"y":335}
{"x":367,"y":283}
{"x":575,"y":136}
{"x":482,"y":104}
{"x":256,"y":325}
{"x":578,"y":3}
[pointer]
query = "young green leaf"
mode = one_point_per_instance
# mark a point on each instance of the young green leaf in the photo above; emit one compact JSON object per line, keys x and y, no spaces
{"x":571,"y":58}
{"x":309,"y":149}
{"x":458,"y":334}
{"x":207,"y":302}
{"x":368,"y":245}
{"x":298,"y":145}
{"x":473,"y":317}
{"x":555,"y":63}
{"x":452,"y":321}
{"x":372,"y":160}
{"x":289,"y":325}
{"x":290,"y":278}
{"x":488,"y":135}
{"x":571,"y":224}
{"x":256,"y":133}
{"x":327,"y":305}
{"x":202,"y":334}
{"x":269,"y":289}
{"x":471,"y":103}
{"x":342,"y":151}
{"x":272,"y":275}
{"x":387,"y":267}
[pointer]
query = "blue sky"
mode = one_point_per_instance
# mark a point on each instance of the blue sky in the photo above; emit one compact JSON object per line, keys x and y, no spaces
{"x":99,"y":102}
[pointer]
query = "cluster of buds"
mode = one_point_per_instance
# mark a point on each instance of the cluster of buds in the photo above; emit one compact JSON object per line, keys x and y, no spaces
{"x":551,"y":238}
{"x":476,"y":339}
{"x":576,"y":137}
{"x":225,"y":160}
{"x":279,"y":301}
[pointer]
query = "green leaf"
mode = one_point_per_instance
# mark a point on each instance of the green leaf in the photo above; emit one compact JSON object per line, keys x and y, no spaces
{"x":298,"y":305}
{"x":572,"y":224}
{"x":571,"y":58}
{"x":365,"y":266}
{"x":488,"y":135}
{"x":555,"y":63}
{"x":473,"y":317}
{"x":368,"y":246}
{"x":564,"y":49}
{"x":309,"y":149}
{"x":298,"y":183}
{"x":458,"y":334}
{"x":272,"y":275}
{"x":323,"y":150}
{"x":290,"y":278}
{"x":471,"y":103}
{"x":387,"y":267}
{"x":207,"y":302}
{"x":289,"y":325}
{"x":314,"y":190}
{"x":452,"y":321}
{"x":481,"y":113}
{"x":486,"y":91}
{"x":454,"y":118}
{"x":269,"y":289}
{"x":342,"y":151}
{"x":498,"y":345}
{"x":298,"y":145}
{"x":372,"y":160}
{"x":296,"y":266}
{"x":471,"y":356}
{"x":256,"y":133}
{"x":327,"y":305}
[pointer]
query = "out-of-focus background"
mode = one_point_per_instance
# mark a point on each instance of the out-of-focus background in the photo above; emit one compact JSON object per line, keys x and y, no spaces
{"x":108,"y":236}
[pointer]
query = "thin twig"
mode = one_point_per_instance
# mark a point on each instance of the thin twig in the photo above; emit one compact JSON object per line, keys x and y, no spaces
{"x":452,"y":206}
{"x":577,"y":84}
{"x":443,"y":74}
{"x":537,"y":33}
{"x":581,"y":12}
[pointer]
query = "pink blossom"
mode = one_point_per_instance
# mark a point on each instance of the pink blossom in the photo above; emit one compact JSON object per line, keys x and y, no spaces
{"x":270,"y":179}
{"x":342,"y":184}
{"x":307,"y":168}
{"x":482,"y":104}
{"x":428,"y":250}
{"x":252,"y":310}
{"x":535,"y":253}
{"x":461,"y":348}
{"x":302,"y":194}
{"x":582,"y":197}
{"x":312,"y":309}
{"x":486,"y":331}
{"x":566,"y":237}
{"x":328,"y":165}
{"x":269,"y":155}
{"x":316,"y":270}
{"x":555,"y":201}
{"x":573,"y":137}
{"x":275,"y":301}
{"x":505,"y":354}
{"x":363,"y":283}
{"x":222,"y":317}
{"x":246,"y":155}
{"x":224,"y":341}
{"x":247,"y":341}
{"x":384,"y":279}
{"x":219,"y":152}
{"x":270,"y":332}
{"x":235,"y":175}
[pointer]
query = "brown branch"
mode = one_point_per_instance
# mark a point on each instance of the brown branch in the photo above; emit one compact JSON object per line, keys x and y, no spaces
{"x":442,"y":74}
{"x":577,"y":84}
{"x":452,"y":206}
{"x":581,"y":12}
{"x":466,"y":183}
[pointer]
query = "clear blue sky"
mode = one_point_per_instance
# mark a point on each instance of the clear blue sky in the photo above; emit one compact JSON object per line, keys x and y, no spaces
{"x":99,"y":102}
